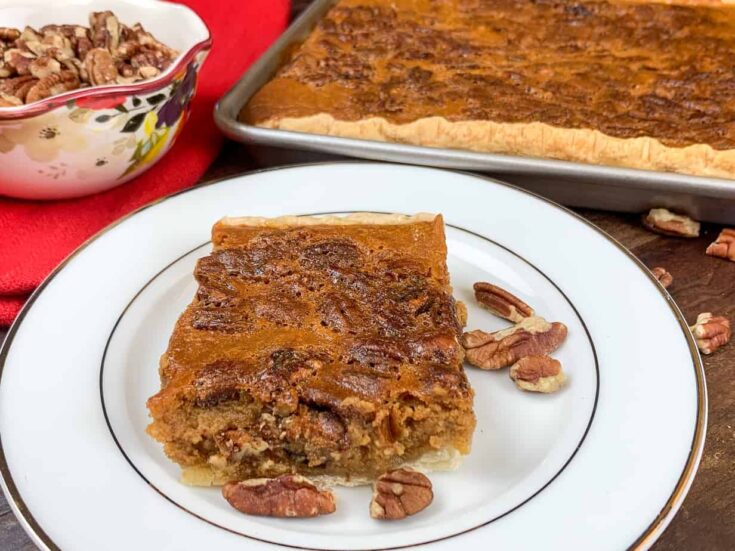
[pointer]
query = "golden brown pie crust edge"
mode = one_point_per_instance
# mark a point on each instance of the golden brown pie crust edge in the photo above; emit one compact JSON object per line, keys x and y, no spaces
{"x":445,"y":459}
{"x":355,"y":218}
{"x":533,"y":139}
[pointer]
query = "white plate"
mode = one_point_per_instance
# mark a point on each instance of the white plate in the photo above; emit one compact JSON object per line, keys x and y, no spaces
{"x":603,"y":464}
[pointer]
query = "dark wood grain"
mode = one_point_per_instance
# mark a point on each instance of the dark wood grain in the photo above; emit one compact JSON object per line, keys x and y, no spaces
{"x":701,"y":284}
{"x":12,"y":536}
{"x":4,"y":507}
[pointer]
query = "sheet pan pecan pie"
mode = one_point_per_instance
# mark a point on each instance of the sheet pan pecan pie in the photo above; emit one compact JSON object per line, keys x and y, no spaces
{"x":319,"y":346}
{"x":625,"y":83}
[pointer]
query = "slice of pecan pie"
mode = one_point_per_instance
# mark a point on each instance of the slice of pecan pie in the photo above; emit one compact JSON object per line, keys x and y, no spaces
{"x":319,"y":346}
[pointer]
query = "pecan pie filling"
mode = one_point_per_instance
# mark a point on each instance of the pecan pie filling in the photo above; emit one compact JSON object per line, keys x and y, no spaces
{"x":626,"y":69}
{"x":320,"y":350}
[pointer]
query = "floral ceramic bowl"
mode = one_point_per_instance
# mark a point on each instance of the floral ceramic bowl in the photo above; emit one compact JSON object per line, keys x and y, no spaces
{"x":92,"y":139}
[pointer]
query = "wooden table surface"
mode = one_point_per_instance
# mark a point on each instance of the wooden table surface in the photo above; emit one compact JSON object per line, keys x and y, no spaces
{"x":706,"y":520}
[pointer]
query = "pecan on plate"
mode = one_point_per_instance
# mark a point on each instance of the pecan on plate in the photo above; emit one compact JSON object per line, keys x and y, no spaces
{"x":399,"y":494}
{"x":538,"y":374}
{"x":100,"y":55}
{"x":711,"y":332}
{"x":501,"y":302}
{"x":288,"y":495}
{"x":663,"y":276}
{"x":100,"y":66}
{"x":532,"y":336}
{"x":724,"y":245}
{"x":666,"y":222}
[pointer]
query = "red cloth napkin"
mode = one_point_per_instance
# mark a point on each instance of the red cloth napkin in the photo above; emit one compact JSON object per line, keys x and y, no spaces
{"x":36,"y":236}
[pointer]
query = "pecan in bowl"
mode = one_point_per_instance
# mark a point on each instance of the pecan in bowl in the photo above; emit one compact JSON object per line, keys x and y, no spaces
{"x":106,"y":52}
{"x":90,"y":103}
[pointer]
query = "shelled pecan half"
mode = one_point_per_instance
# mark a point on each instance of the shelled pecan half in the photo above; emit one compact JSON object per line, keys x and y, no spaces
{"x":663,"y":276}
{"x":724,"y":245}
{"x":711,"y":332}
{"x":286,"y":496}
{"x":501,"y":302}
{"x":665,"y":222}
{"x":399,"y":494}
{"x":538,"y":374}
{"x":532,"y":336}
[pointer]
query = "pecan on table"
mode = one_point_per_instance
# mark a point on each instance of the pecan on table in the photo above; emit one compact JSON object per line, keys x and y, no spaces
{"x":399,"y":494}
{"x":724,"y":245}
{"x":288,"y":496}
{"x":666,"y":222}
{"x":711,"y":332}
{"x":532,"y":336}
{"x":663,"y":276}
{"x":501,"y":302}
{"x":538,"y":374}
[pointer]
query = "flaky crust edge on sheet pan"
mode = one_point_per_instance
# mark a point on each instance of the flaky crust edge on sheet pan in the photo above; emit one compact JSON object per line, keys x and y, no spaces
{"x":532,"y":139}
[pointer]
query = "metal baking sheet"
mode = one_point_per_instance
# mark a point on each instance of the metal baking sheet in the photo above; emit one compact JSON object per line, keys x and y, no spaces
{"x":573,"y":184}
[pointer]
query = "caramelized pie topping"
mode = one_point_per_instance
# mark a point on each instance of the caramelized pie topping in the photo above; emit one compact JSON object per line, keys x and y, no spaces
{"x":626,"y":69}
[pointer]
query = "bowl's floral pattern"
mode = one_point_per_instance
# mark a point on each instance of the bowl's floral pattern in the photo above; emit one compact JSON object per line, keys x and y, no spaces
{"x":96,"y":139}
{"x":43,"y":140}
